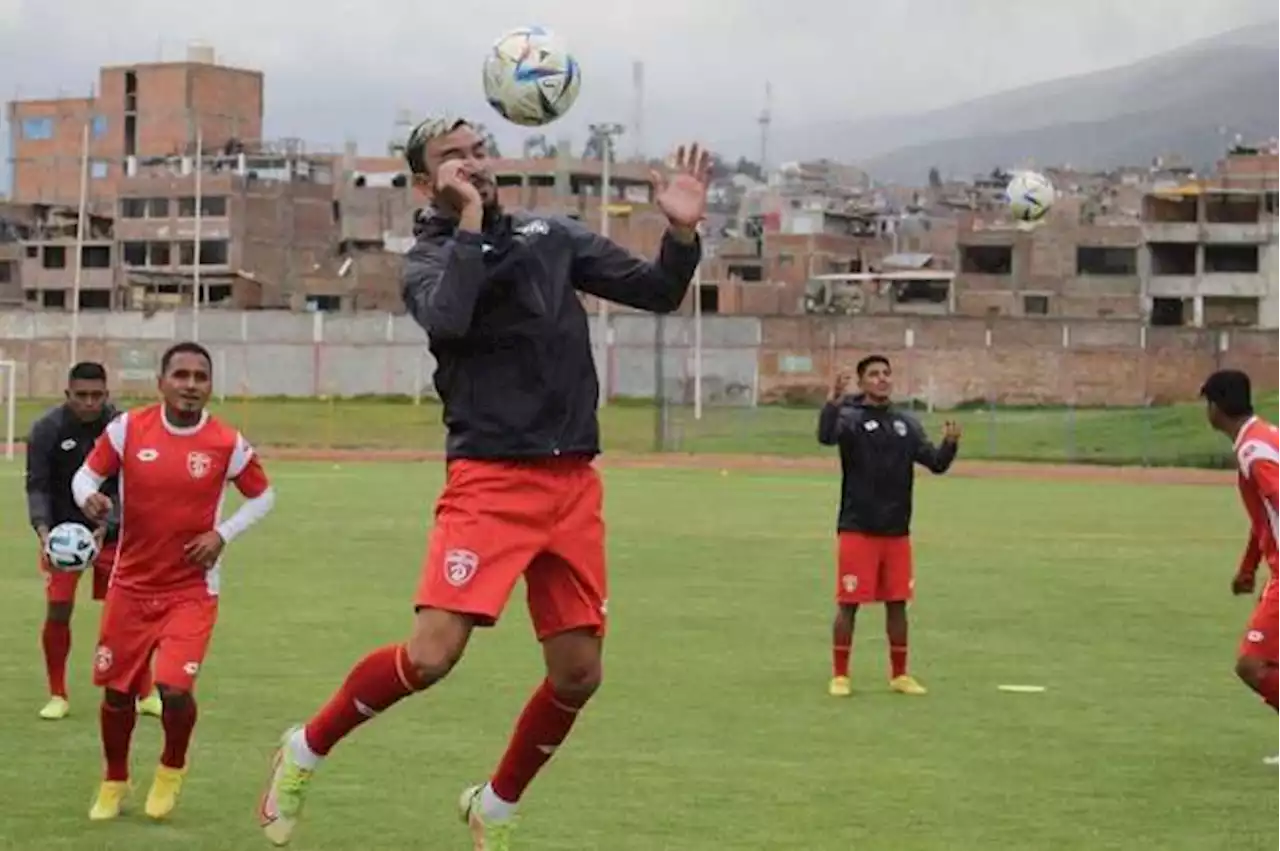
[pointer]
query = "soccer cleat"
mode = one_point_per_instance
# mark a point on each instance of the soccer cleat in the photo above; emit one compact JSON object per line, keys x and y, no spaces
{"x":286,"y":792}
{"x":906,"y":684}
{"x":840,"y":687}
{"x":1273,"y":761}
{"x":151,"y":705}
{"x":485,"y":835}
{"x":56,"y":709}
{"x":110,"y":800}
{"x":165,"y":788}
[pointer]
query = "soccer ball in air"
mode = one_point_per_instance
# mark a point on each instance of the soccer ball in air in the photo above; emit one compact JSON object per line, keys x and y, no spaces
{"x":530,"y":78}
{"x":1029,"y":196}
{"x":71,"y":547}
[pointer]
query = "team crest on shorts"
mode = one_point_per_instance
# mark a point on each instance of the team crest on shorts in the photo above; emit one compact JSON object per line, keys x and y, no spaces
{"x":199,"y":464}
{"x":850,"y":583}
{"x":102,"y":658}
{"x":460,"y":566}
{"x":1255,"y":636}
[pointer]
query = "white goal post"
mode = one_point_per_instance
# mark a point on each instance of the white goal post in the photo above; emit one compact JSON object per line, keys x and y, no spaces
{"x":9,"y":396}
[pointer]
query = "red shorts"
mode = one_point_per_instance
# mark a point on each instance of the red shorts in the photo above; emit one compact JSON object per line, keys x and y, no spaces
{"x":873,"y":569}
{"x":499,"y":520}
{"x":1260,"y":639}
{"x":175,"y":629}
{"x":60,"y":585}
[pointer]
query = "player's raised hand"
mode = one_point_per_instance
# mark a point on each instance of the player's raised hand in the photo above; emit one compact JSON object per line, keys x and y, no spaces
{"x":682,"y":195}
{"x":454,"y":186}
{"x":838,"y":383}
{"x":204,"y":549}
{"x":97,"y":507}
{"x":951,"y":431}
{"x":1242,"y":583}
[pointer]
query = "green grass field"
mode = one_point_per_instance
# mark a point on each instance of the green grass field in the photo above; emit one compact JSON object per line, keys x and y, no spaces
{"x":1165,"y":436}
{"x":713,"y":729}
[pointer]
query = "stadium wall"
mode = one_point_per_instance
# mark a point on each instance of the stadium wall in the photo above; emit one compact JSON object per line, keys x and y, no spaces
{"x":947,"y":360}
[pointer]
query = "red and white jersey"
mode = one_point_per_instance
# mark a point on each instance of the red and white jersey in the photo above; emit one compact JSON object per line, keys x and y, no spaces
{"x":1257,"y":455}
{"x":172,"y":483}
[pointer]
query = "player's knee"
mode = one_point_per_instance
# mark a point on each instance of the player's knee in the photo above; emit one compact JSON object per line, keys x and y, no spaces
{"x":577,"y":681}
{"x":1249,"y":670}
{"x":436,"y":645}
{"x":116,"y":699}
{"x":174,"y":699}
{"x":59,"y":612}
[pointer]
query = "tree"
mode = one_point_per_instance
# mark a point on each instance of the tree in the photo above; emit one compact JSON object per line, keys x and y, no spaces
{"x":935,"y":177}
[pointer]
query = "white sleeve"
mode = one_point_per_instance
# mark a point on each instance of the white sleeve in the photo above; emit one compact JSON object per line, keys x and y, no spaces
{"x":85,"y":484}
{"x":246,"y":515}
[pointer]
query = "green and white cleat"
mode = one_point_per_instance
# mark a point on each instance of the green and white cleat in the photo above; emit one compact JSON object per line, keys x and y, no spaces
{"x":486,"y":835}
{"x":286,"y":792}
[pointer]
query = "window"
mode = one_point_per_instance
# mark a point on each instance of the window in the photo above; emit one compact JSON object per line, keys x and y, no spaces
{"x":1166,"y":312}
{"x":54,"y":298}
{"x":324,"y":303}
{"x":98,"y":127}
{"x":986,"y":259}
{"x":1172,"y":258}
{"x":98,"y":169}
{"x":135,"y":254}
{"x":213,"y":252}
{"x":213,"y":206}
{"x":95,"y":299}
{"x":217,"y":293}
{"x":55,"y":257}
{"x":37,"y":129}
{"x":96,"y":256}
{"x":750,"y":273}
{"x":709,"y":298}
{"x":158,"y":208}
{"x":133,"y":208}
{"x":161,"y":253}
{"x":1098,"y":260}
{"x":6,"y":273}
{"x":32,"y":295}
{"x":33,"y":251}
{"x":1035,"y":305}
{"x":1231,"y":259}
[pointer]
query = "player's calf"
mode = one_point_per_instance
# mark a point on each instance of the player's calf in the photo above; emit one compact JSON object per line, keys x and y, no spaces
{"x":1261,"y":676}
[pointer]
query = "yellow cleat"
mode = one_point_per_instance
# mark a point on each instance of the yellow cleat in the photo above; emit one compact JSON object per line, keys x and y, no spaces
{"x":151,"y":705}
{"x":906,"y":684}
{"x":840,"y":687}
{"x":56,"y":709}
{"x":486,"y":835}
{"x":163,"y":796}
{"x":110,"y":800}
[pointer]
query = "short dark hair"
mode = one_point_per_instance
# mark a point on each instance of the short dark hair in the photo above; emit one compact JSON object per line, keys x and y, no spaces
{"x":1230,"y":391}
{"x":186,"y":347}
{"x":87,"y":370}
{"x":869,"y":360}
{"x":415,"y":147}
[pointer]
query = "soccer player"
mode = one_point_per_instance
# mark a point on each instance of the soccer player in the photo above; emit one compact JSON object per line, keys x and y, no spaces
{"x":1229,"y":406}
{"x":173,"y":461}
{"x":57,"y":446}
{"x":497,"y":294}
{"x":879,"y":446}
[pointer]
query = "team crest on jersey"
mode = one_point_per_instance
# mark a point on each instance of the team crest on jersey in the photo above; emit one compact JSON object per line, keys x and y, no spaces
{"x":102,"y":658}
{"x":900,"y":427}
{"x":460,"y":566}
{"x":199,"y":464}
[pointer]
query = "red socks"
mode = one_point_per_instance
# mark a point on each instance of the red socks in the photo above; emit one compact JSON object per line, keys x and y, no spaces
{"x":542,"y":727}
{"x":117,"y":731}
{"x":56,"y":640}
{"x":840,"y":660}
{"x":897,"y":660}
{"x":178,"y":726}
{"x":379,"y":680}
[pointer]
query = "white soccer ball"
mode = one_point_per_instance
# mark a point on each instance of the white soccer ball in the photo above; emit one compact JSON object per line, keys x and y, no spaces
{"x":71,"y":547}
{"x":530,"y":78}
{"x":1029,"y":196}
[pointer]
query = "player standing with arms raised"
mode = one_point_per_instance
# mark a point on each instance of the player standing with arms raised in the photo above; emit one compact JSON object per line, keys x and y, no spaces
{"x":174,"y":462}
{"x":57,"y":446}
{"x":498,"y":297}
{"x":1229,"y":406}
{"x":879,"y":448}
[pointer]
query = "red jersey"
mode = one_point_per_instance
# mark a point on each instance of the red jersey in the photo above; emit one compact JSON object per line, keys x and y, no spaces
{"x":1257,"y":454}
{"x":172,"y":483}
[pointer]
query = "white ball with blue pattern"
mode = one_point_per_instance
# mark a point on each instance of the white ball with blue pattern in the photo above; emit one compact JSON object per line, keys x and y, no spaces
{"x":530,"y":77}
{"x":71,"y":547}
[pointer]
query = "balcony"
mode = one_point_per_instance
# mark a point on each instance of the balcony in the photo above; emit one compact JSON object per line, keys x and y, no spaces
{"x":1171,"y":232}
{"x":1213,"y":284}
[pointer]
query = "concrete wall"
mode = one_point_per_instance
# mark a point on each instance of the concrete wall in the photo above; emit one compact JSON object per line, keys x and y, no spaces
{"x":744,"y":360}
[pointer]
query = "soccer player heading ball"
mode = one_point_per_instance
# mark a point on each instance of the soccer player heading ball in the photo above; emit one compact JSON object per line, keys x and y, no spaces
{"x":879,"y":448}
{"x":497,"y":294}
{"x":1229,"y":407}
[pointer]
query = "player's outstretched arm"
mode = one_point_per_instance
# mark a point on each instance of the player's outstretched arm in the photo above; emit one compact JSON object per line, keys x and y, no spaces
{"x":937,"y":459}
{"x":442,"y":282}
{"x":609,"y":271}
{"x":41,"y":444}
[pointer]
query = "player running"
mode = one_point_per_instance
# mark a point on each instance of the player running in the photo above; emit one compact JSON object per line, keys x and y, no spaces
{"x":879,"y":446}
{"x":498,"y":297}
{"x":173,"y":461}
{"x":1229,"y":407}
{"x":57,"y":446}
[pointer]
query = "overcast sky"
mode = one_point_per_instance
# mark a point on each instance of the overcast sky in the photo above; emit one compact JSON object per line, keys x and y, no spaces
{"x":341,"y":68}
